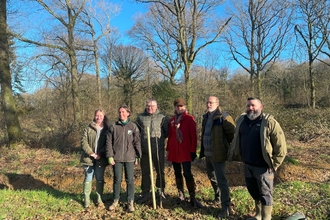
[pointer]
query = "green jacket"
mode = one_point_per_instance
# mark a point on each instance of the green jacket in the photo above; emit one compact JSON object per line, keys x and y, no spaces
{"x":158,"y":125}
{"x":88,"y":145}
{"x":222,"y":133}
{"x":273,"y":144}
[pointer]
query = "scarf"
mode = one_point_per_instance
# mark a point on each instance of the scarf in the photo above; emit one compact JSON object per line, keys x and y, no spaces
{"x":177,"y":120}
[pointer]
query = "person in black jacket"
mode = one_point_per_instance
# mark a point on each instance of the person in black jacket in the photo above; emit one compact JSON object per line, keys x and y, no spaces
{"x":123,"y":151}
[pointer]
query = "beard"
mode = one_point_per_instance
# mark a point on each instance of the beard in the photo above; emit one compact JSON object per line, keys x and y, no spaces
{"x":252,"y":115}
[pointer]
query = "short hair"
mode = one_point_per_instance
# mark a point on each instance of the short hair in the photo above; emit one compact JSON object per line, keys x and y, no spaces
{"x":254,"y":98}
{"x":126,"y":108}
{"x":151,"y":100}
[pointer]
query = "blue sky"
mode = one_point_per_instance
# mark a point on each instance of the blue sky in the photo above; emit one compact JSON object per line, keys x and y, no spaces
{"x":124,"y":21}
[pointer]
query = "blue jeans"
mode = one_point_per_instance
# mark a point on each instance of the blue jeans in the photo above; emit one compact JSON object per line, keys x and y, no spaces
{"x":129,"y":178}
{"x":259,"y":182}
{"x":90,"y":171}
{"x":219,"y":169}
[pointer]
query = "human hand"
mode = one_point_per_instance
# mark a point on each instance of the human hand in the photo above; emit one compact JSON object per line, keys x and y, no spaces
{"x":193,"y":156}
{"x":137,"y":161}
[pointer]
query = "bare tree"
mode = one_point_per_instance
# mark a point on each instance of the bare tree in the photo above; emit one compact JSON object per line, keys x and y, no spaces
{"x":150,"y":30}
{"x":66,"y":14}
{"x":193,"y":26}
{"x":312,"y":33}
{"x":258,"y":35}
{"x":129,"y":65}
{"x":97,"y":17}
{"x":8,"y":102}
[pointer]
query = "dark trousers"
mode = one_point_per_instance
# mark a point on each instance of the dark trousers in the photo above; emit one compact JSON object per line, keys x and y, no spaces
{"x":158,"y":161}
{"x":186,"y":167}
{"x":259,"y":182}
{"x":219,"y":171}
{"x":129,"y":178}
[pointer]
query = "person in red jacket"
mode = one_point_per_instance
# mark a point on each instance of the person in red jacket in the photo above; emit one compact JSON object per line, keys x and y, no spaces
{"x":181,"y":149}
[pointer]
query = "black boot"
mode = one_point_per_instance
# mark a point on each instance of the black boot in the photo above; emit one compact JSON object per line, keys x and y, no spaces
{"x":179,"y":185}
{"x":193,"y":200}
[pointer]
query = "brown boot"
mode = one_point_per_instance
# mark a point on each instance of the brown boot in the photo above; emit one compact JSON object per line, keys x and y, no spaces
{"x":193,"y":201}
{"x":258,"y":211}
{"x":179,"y":185}
{"x":266,"y":212}
{"x":114,"y":205}
{"x":130,"y":207}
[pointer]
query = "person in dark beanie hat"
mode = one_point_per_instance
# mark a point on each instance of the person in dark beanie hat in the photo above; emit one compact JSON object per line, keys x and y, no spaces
{"x":181,"y":149}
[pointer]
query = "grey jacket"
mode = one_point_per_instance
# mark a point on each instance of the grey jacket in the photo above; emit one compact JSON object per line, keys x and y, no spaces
{"x":158,"y":125}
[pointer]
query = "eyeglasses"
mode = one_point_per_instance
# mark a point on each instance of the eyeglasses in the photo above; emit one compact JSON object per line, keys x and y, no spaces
{"x":150,"y":106}
{"x":210,"y":102}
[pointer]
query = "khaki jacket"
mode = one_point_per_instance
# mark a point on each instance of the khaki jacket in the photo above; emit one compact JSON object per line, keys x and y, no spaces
{"x":273,"y":143}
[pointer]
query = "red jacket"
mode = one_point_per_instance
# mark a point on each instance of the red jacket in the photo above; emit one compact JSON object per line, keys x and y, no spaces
{"x":180,"y":152}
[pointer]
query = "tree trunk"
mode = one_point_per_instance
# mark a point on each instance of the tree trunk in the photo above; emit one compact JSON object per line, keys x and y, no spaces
{"x":9,"y":106}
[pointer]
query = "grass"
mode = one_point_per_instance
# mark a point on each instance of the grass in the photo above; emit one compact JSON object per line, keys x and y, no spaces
{"x":309,"y":198}
{"x":41,"y":204}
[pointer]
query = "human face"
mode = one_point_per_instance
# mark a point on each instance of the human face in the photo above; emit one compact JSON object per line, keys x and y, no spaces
{"x":179,"y":109}
{"x":151,"y":107}
{"x":253,"y":109}
{"x":98,"y":118}
{"x":123,"y":114}
{"x":212,"y":104}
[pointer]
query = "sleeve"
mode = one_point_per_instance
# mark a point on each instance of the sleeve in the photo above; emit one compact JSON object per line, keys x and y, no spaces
{"x":229,"y":128}
{"x":165,"y":126}
{"x":193,"y":135}
{"x":169,"y":133}
{"x":109,"y":147}
{"x":84,"y":143}
{"x":277,"y":139}
{"x":137,"y":142}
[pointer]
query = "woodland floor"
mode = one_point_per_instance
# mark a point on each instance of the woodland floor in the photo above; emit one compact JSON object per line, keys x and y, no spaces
{"x":42,"y":170}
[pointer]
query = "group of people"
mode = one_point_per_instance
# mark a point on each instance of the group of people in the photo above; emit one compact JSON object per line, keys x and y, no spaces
{"x":256,"y":139}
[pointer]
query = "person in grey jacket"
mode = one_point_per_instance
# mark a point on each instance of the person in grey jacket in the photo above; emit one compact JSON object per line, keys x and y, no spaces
{"x":158,"y":125}
{"x":123,"y":151}
{"x":260,"y":143}
{"x":93,"y":145}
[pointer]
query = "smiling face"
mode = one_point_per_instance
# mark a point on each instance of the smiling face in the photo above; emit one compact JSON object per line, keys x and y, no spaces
{"x":98,"y":117}
{"x":253,"y":109}
{"x":151,"y":107}
{"x":123,"y":114}
{"x":179,"y":109}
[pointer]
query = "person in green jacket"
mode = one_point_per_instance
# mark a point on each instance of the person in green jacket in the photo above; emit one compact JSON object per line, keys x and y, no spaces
{"x":218,"y":129}
{"x":260,"y":143}
{"x":93,"y":145}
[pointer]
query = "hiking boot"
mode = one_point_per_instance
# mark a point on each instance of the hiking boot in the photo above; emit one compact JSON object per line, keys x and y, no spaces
{"x":130,"y":207}
{"x":224,"y":213}
{"x":114,"y":205}
{"x":144,"y":199}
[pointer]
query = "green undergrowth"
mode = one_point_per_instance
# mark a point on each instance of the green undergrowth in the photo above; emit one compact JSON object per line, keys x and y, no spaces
{"x":312,"y":199}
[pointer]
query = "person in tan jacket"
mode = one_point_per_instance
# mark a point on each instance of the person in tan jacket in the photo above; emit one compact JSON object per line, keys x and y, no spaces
{"x":260,"y":143}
